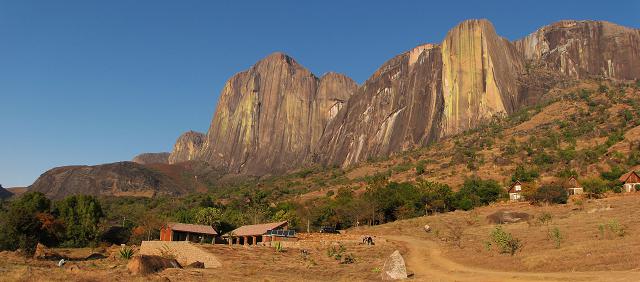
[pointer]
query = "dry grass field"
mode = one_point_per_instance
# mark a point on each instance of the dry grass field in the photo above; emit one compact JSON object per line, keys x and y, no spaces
{"x":599,"y":238}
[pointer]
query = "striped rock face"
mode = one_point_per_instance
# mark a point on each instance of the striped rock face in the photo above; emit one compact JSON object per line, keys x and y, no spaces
{"x":187,"y":147}
{"x":270,"y":117}
{"x":583,"y":49}
{"x":277,"y":116}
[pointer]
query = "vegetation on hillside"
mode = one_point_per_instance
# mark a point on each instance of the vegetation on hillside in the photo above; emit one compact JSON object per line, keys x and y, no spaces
{"x":577,"y":132}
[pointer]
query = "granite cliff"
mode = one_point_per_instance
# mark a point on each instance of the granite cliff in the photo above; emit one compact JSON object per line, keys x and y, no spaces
{"x":278,"y":116}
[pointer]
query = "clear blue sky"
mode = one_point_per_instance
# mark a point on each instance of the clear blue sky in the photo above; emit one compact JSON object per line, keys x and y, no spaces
{"x":89,"y":82}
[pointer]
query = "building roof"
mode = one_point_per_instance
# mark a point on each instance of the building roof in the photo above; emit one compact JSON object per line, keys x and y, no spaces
{"x":513,"y":185}
{"x":256,"y":229}
{"x":627,"y":175}
{"x":192,"y":228}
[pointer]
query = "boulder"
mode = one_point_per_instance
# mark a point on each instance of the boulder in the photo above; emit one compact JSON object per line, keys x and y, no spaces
{"x":394,"y":268}
{"x":427,"y":228}
{"x":150,"y":264}
{"x":503,"y":217}
{"x":196,"y":264}
{"x":42,"y":252}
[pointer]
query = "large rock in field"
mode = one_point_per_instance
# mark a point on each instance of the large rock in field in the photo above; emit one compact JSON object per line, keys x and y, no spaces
{"x":394,"y":268}
{"x":144,"y":264}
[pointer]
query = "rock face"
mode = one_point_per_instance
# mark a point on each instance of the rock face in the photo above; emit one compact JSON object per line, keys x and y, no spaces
{"x":116,"y":179}
{"x":151,"y":158}
{"x":270,"y":117}
{"x":277,"y":116}
{"x":583,"y":49}
{"x":187,"y":147}
{"x":398,"y":107}
{"x":479,"y":71}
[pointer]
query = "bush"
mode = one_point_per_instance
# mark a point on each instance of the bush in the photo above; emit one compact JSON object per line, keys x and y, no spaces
{"x":614,"y":174}
{"x":478,"y":192}
{"x":551,"y":193}
{"x":420,"y":167}
{"x":336,"y":252}
{"x":506,"y":243}
{"x":556,"y":237}
{"x":594,"y":187}
{"x":523,"y":174}
{"x":126,"y":253}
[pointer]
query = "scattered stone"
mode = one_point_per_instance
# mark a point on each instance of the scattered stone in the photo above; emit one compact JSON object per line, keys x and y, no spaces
{"x":144,"y":264}
{"x":394,"y":268}
{"x":504,"y":217}
{"x":196,"y":264}
{"x":61,"y":263}
{"x":427,"y":228}
{"x":42,"y":252}
{"x":600,"y":209}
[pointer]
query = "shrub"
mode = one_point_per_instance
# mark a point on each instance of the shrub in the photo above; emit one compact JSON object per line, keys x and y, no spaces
{"x":336,"y":252}
{"x":614,"y":174}
{"x":126,"y":253}
{"x":420,"y":167}
{"x":594,"y":187}
{"x":455,"y":234}
{"x":506,"y":243}
{"x":477,"y":192}
{"x":551,"y":193}
{"x":348,"y":259}
{"x":556,"y":237}
{"x":523,"y":174}
{"x":545,"y":218}
{"x":278,"y":247}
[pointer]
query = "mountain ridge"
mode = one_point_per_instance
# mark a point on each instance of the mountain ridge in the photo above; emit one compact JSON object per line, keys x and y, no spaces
{"x":277,"y":116}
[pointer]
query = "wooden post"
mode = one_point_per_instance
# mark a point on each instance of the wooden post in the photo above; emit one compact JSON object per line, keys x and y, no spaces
{"x":245,"y":240}
{"x":230,"y":240}
{"x":255,"y":240}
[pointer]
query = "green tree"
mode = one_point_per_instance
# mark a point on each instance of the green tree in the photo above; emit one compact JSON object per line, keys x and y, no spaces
{"x":594,"y":187}
{"x":523,"y":174}
{"x":33,"y":202}
{"x":552,"y":193}
{"x":81,"y":215}
{"x":437,"y":197}
{"x":208,"y":216}
{"x":479,"y":192}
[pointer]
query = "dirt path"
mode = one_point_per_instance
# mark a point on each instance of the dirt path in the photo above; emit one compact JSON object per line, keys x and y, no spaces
{"x":425,"y":260}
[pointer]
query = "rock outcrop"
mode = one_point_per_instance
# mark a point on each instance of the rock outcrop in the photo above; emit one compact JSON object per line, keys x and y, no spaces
{"x":398,"y":107}
{"x":394,"y":267}
{"x":479,"y":75}
{"x":187,"y":147}
{"x":277,"y":116}
{"x":115,"y":179}
{"x":584,"y":49}
{"x":152,"y":158}
{"x":270,"y":117}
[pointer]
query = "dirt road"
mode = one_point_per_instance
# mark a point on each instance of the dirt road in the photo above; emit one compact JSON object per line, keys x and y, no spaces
{"x":427,"y":263}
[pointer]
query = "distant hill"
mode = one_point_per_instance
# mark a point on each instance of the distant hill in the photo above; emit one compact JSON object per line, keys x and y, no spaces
{"x":115,"y":179}
{"x":4,"y":193}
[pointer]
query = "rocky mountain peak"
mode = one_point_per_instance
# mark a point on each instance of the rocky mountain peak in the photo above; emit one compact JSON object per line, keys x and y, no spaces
{"x":187,"y":147}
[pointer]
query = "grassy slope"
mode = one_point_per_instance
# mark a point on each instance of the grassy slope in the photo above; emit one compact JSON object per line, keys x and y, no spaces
{"x":574,"y":122}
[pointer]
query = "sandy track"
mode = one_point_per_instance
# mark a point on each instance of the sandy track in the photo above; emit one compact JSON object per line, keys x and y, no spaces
{"x":425,"y":260}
